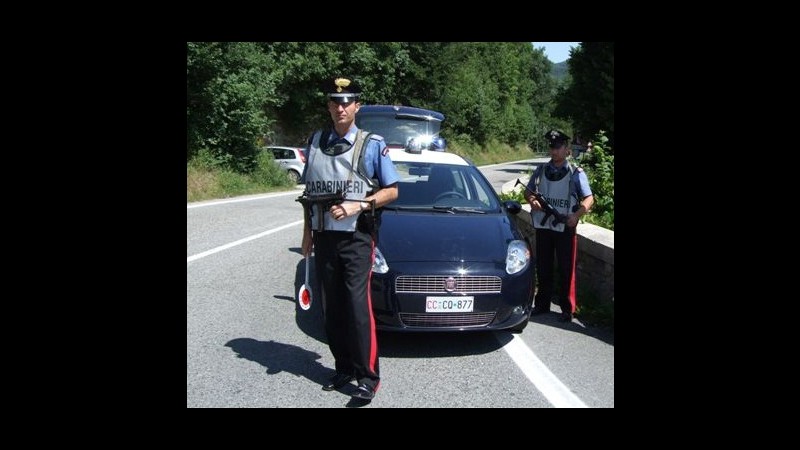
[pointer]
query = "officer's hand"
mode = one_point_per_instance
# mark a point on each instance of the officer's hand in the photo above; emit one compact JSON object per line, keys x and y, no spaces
{"x":338,"y":212}
{"x":344,"y":210}
{"x":572,"y":220}
{"x":536,"y":206}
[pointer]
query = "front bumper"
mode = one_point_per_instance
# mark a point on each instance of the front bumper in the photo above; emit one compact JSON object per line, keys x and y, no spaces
{"x":496,"y":305}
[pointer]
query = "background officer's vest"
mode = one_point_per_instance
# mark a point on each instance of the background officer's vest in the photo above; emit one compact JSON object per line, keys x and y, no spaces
{"x":557,"y":193}
{"x":329,"y":173}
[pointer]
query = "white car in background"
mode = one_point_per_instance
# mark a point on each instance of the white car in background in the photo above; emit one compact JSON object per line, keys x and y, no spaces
{"x":291,"y":159}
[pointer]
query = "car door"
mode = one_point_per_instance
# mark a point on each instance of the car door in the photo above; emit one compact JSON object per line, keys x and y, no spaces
{"x":280,"y":156}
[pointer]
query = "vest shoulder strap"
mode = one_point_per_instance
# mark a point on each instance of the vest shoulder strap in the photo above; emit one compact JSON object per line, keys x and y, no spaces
{"x":358,"y":152}
{"x":358,"y":146}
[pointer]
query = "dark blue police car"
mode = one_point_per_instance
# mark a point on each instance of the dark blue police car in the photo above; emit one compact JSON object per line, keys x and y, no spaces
{"x":450,"y":255}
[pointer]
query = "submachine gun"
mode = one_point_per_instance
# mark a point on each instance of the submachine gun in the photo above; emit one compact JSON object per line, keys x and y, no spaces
{"x":548,"y":209}
{"x":326,"y":200}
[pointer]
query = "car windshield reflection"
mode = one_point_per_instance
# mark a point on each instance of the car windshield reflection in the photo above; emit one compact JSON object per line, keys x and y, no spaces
{"x":444,"y":187}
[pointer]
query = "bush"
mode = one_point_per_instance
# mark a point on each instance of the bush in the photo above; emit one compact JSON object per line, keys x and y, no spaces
{"x":267,"y":173}
{"x":599,"y":166}
{"x":490,"y":153}
{"x":208,"y":176}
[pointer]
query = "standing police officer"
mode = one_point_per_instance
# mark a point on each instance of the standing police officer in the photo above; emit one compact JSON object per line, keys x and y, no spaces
{"x":357,"y":163}
{"x":566,"y":188}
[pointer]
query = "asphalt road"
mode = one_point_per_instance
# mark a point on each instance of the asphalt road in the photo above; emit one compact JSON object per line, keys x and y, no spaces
{"x":249,"y":345}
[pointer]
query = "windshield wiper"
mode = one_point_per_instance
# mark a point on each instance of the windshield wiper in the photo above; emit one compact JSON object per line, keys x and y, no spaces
{"x":441,"y":209}
{"x":408,"y":208}
{"x":455,"y":209}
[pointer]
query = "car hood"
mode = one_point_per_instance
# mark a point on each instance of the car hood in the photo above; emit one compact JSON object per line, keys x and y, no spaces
{"x":414,"y":237}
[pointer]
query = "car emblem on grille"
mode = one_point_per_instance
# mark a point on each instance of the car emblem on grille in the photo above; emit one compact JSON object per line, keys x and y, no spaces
{"x":450,"y":284}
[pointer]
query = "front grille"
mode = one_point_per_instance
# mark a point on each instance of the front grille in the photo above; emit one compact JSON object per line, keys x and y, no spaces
{"x":473,"y":319}
{"x":434,"y":284}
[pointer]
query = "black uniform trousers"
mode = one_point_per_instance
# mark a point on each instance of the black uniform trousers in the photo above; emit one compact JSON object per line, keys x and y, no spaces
{"x":563,"y":246}
{"x":343,"y":261}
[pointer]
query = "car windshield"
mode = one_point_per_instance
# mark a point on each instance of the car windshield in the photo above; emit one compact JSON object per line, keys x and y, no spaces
{"x":444,"y":188}
{"x":396,"y":128}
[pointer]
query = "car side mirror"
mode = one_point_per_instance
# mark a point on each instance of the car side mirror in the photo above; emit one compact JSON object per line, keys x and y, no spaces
{"x":512,"y":206}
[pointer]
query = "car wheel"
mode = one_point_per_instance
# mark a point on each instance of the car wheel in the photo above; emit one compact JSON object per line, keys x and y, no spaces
{"x":518,"y":328}
{"x":294,"y":176}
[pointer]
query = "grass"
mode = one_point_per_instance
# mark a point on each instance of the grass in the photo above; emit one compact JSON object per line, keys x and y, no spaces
{"x":491,"y":153}
{"x":592,"y":310}
{"x":206,"y":180}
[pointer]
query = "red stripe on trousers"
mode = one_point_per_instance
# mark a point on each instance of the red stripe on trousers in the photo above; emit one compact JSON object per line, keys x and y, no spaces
{"x":572,"y":297}
{"x":373,"y":338}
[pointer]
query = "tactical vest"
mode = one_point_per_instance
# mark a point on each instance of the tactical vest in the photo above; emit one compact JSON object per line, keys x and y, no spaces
{"x":557,"y":193}
{"x":331,"y":171}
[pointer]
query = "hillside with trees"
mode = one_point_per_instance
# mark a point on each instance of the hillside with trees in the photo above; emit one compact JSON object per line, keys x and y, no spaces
{"x":495,"y":95}
{"x":238,"y":93}
{"x":560,"y":70}
{"x":587,"y":101}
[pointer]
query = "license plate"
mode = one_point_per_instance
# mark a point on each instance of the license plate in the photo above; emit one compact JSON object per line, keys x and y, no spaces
{"x":449,"y":304}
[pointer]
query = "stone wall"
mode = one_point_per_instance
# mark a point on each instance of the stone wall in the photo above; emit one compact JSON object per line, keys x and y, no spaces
{"x":595,"y":264}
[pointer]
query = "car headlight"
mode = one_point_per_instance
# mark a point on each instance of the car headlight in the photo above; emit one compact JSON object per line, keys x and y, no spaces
{"x":379,"y":264}
{"x":517,"y":257}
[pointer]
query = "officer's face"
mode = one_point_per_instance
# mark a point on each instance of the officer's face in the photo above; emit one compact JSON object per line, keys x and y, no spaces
{"x":343,"y":113}
{"x":558,"y":154}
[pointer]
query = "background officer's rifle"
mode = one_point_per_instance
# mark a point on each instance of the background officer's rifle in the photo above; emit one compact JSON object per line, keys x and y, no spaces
{"x":547,"y":208}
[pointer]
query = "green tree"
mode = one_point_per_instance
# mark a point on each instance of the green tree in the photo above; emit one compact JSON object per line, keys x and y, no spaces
{"x":422,"y":75}
{"x":303,"y":66}
{"x":378,"y":66}
{"x":542,"y":99}
{"x":469,"y":98}
{"x":240,"y":95}
{"x":491,"y":90}
{"x":589,"y":99}
{"x":227,"y":85}
{"x":599,"y":166}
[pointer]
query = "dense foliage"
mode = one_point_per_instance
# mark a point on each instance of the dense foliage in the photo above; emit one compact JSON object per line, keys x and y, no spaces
{"x":599,"y":167}
{"x":588,"y":99}
{"x":228,"y":85}
{"x":243,"y":94}
{"x":495,"y":95}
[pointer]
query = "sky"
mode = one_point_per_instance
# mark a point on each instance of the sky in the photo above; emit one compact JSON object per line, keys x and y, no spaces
{"x":556,"y":52}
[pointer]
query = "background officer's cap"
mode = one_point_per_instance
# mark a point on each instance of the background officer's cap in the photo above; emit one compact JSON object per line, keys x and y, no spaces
{"x":342,"y":90}
{"x":556,"y":138}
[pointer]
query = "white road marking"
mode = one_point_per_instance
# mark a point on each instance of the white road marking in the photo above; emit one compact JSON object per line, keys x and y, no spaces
{"x":545,"y":381}
{"x":238,"y":199}
{"x":240,"y":241}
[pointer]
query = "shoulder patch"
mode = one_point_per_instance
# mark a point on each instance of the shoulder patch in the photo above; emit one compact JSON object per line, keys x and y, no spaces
{"x":377,"y":137}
